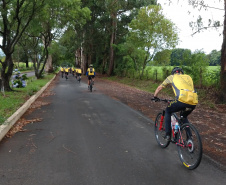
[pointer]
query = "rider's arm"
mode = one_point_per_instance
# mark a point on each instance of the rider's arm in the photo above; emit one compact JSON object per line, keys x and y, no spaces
{"x":166,"y":82}
{"x":159,"y":88}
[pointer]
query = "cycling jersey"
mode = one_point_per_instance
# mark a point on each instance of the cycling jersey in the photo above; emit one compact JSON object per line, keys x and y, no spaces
{"x":79,"y":71}
{"x":183,"y":88}
{"x":62,"y":69}
{"x":66,"y":70}
{"x":90,"y":71}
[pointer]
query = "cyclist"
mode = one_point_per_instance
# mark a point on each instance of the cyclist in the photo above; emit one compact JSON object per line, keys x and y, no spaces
{"x":78,"y":73}
{"x":66,"y":72}
{"x":91,"y":74}
{"x":186,"y":97}
{"x":73,"y":71}
{"x":62,"y":71}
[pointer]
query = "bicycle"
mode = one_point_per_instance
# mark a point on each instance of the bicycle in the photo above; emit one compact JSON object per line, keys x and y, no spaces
{"x":66,"y":75}
{"x":187,"y":138}
{"x":91,"y":84}
{"x":79,"y":78}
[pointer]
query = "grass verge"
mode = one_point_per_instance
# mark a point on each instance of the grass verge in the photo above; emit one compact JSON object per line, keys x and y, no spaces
{"x":207,"y":96}
{"x":11,"y":101}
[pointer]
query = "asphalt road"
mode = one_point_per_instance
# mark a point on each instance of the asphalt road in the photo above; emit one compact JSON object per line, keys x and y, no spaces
{"x":90,"y":139}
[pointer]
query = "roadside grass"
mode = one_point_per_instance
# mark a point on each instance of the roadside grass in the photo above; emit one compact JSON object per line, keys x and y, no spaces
{"x":207,"y":97}
{"x":11,"y":101}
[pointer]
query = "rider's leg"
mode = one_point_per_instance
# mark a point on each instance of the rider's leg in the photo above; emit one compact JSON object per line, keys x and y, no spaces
{"x":174,"y":106}
{"x":188,"y":110}
{"x":89,"y":80}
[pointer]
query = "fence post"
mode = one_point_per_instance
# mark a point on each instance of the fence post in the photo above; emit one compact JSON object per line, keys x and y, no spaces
{"x":167,"y":72}
{"x":156,"y":75}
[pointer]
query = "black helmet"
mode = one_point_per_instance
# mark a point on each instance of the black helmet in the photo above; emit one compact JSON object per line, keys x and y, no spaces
{"x":177,"y":70}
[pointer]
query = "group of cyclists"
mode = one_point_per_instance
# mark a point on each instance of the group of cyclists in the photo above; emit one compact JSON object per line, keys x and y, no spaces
{"x":77,"y":72}
{"x":186,"y":95}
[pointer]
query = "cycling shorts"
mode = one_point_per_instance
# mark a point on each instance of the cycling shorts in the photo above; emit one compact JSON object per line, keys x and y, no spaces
{"x":91,"y":76}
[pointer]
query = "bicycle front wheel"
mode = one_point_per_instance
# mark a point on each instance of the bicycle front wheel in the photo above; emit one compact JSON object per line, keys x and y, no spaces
{"x":91,"y":87}
{"x":160,"y":132}
{"x":189,"y":146}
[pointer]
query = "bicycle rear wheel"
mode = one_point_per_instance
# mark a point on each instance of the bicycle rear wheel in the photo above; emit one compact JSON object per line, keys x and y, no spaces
{"x":189,"y":146}
{"x":91,"y":86}
{"x":160,"y":132}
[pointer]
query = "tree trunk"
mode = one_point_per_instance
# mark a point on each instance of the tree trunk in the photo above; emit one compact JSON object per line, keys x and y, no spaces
{"x":144,"y":65}
{"x":49,"y":64}
{"x":27,"y":63}
{"x":6,"y":72}
{"x":111,"y":62}
{"x":85,"y":63}
{"x":104,"y":64}
{"x":222,"y":96}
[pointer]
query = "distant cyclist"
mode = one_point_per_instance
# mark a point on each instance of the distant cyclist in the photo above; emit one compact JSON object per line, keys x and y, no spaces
{"x":186,"y":96}
{"x":62,"y":71}
{"x":66,"y":72}
{"x":73,"y":71}
{"x":91,"y":74}
{"x":78,"y":73}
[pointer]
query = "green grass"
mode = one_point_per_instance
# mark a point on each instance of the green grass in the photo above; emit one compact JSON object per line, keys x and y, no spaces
{"x":206,"y":97}
{"x":15,"y":99}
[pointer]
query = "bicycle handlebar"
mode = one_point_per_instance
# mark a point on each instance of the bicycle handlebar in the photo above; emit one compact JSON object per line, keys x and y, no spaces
{"x":158,"y":99}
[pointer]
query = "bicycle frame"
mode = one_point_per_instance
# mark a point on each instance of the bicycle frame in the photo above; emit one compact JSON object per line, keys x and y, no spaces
{"x":181,"y":141}
{"x":178,"y":143}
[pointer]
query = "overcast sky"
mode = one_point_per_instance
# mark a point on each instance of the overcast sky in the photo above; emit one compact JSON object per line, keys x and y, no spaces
{"x":206,"y":40}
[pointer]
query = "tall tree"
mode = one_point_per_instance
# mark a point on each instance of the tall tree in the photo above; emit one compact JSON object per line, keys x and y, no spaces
{"x":108,"y":26}
{"x":152,"y":32}
{"x":16,"y":17}
{"x":116,"y":9}
{"x":223,"y":62}
{"x":55,"y":17}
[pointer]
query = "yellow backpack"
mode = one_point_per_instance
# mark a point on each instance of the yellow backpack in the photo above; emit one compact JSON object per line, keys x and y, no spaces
{"x":184,"y":89}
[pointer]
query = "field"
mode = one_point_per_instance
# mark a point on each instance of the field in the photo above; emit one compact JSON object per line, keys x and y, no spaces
{"x":204,"y":78}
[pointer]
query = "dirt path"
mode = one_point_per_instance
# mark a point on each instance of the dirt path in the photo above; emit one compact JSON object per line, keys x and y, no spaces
{"x":210,"y":123}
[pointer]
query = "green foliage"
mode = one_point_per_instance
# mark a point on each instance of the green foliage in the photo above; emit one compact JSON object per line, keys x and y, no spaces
{"x":212,"y":77}
{"x":215,"y":58}
{"x":149,"y":32}
{"x":197,"y":67}
{"x":180,"y":57}
{"x":162,"y":58}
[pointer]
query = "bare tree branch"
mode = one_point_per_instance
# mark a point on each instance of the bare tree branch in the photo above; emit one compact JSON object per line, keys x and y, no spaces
{"x":204,"y":28}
